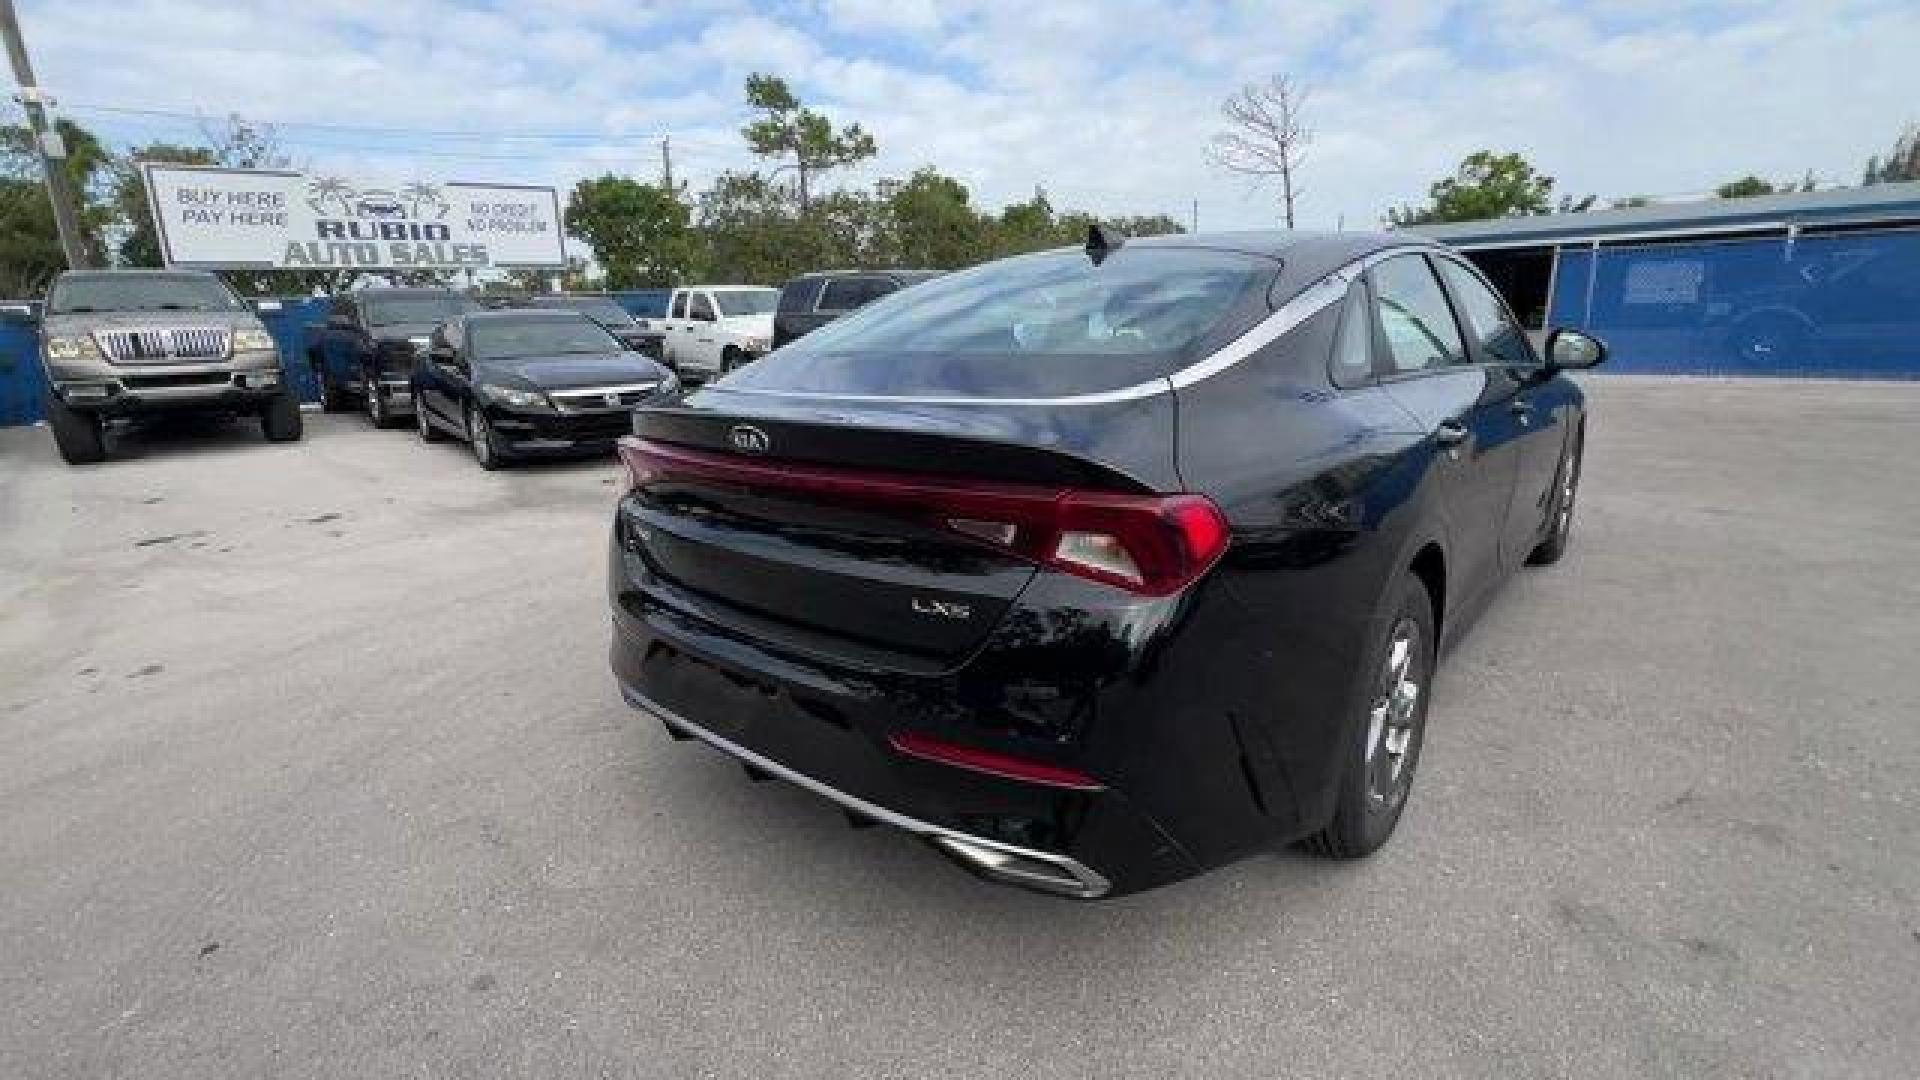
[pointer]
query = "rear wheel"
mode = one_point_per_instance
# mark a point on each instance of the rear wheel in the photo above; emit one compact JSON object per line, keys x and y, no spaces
{"x":280,"y":420}
{"x":1381,"y":758}
{"x":79,"y":436}
{"x":1566,"y":485}
{"x":732,"y":359}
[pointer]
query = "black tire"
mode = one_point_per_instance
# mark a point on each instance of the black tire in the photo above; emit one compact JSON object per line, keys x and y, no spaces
{"x":424,"y":424}
{"x":80,"y":436}
{"x":1566,"y":485}
{"x":280,"y":421}
{"x":1376,"y":780}
{"x":731,"y":359}
{"x":480,"y":441}
{"x":330,"y":399}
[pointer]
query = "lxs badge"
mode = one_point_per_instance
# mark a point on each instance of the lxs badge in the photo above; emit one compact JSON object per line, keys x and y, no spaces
{"x":942,"y":608}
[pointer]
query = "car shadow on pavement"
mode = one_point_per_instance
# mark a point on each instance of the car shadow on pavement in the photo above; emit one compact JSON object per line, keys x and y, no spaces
{"x":183,"y":435}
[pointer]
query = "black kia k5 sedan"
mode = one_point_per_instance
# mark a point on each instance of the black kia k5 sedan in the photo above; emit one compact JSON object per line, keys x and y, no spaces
{"x":1098,"y":568}
{"x":521,"y":384}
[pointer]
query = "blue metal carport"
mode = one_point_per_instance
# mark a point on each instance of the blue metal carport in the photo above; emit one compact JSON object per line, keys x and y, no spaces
{"x":1821,"y":283}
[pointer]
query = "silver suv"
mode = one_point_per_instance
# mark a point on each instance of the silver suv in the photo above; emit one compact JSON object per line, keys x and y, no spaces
{"x":122,"y":343}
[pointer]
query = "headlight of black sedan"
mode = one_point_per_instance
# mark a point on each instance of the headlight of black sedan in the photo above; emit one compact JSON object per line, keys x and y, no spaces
{"x":514,"y":397}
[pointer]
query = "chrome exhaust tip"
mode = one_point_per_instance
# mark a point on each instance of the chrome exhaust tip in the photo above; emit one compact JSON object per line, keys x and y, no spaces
{"x":1029,"y":869}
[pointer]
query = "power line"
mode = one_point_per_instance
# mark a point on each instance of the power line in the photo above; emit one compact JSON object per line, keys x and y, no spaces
{"x":398,"y":132}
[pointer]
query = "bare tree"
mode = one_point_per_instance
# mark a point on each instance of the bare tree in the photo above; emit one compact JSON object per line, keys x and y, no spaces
{"x":1267,"y":133}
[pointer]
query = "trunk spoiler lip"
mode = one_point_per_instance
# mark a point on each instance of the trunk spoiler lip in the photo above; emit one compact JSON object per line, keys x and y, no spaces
{"x":673,"y":414}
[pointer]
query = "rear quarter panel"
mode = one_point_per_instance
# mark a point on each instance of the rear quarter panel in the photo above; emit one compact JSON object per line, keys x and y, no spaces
{"x":1322,"y":488}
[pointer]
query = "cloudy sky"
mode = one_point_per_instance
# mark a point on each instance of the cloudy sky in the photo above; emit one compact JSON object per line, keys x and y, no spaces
{"x":1108,"y":104}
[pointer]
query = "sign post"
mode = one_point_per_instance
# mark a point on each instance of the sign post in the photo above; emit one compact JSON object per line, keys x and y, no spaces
{"x":215,"y":218}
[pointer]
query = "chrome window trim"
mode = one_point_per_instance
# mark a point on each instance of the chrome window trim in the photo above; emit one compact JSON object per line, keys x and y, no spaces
{"x":1305,"y":304}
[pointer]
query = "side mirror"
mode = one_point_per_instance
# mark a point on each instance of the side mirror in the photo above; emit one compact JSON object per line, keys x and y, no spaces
{"x":1573,"y":350}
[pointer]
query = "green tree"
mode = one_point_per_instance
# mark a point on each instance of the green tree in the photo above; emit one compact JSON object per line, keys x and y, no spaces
{"x":28,"y":226}
{"x":639,"y":232}
{"x":1486,"y":185}
{"x":1147,"y":225}
{"x":30,"y":252}
{"x":933,"y":223}
{"x":1746,"y":187}
{"x":1901,"y":164}
{"x":805,"y":140}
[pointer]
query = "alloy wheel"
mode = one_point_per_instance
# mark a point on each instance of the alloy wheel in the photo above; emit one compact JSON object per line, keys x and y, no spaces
{"x":480,"y":437}
{"x":1393,"y":715}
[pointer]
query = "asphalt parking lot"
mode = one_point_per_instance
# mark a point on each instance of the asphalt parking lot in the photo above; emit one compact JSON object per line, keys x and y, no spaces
{"x":310,"y":765}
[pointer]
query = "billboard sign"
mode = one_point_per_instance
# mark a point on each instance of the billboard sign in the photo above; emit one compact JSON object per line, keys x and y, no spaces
{"x":218,"y":218}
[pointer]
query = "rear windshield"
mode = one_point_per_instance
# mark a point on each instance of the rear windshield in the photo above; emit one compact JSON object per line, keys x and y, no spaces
{"x":545,"y":335}
{"x":1045,"y":325}
{"x":140,"y":292}
{"x":745,"y":301}
{"x":416,"y":308}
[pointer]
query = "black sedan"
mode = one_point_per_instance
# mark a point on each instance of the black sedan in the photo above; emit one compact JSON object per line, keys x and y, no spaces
{"x":520,"y":384}
{"x":1098,"y":568}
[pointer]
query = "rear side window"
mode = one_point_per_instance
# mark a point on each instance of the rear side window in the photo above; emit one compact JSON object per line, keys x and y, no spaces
{"x":1414,"y":319}
{"x":797,"y":296}
{"x":1353,"y":344}
{"x":845,"y":294}
{"x":1497,"y":336}
{"x":1047,"y":324}
{"x":700,"y":307}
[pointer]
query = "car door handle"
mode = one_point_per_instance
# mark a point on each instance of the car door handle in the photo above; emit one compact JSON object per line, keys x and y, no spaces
{"x":1450,"y":433}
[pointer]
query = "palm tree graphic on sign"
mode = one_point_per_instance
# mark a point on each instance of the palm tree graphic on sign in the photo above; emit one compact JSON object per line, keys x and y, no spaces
{"x":420,"y":198}
{"x":330,"y":189}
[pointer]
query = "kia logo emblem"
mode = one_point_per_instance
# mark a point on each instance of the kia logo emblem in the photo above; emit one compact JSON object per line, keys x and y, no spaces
{"x":748,"y":439}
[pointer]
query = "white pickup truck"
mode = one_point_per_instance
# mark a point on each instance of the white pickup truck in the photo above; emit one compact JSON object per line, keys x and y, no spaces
{"x":712,"y":329}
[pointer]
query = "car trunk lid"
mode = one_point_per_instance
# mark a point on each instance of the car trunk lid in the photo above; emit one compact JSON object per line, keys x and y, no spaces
{"x":841,"y":527}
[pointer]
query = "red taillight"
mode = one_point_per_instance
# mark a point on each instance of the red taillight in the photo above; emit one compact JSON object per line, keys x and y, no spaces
{"x":1153,"y":545}
{"x":928,"y":748}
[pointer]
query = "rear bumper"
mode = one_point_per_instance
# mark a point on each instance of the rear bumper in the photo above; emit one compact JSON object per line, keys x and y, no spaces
{"x":1040,"y":870}
{"x":827,"y":731}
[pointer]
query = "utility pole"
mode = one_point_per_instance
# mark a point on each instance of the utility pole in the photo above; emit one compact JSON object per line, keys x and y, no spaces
{"x":666,"y":163}
{"x":53,"y":152}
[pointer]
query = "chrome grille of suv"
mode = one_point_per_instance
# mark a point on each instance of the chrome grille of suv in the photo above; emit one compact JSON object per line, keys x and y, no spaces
{"x":602,"y":398}
{"x":163,"y":344}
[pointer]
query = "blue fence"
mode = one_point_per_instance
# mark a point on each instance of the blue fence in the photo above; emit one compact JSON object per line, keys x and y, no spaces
{"x":1836,"y":305}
